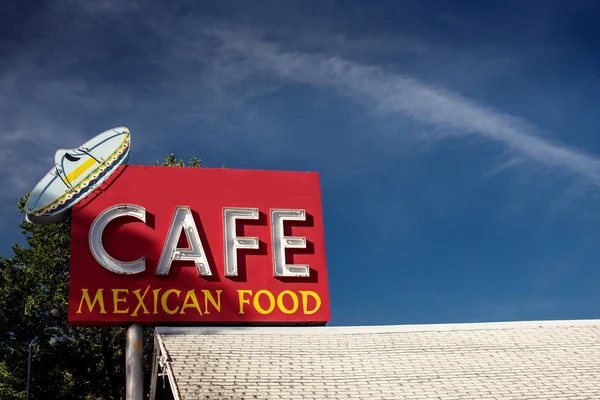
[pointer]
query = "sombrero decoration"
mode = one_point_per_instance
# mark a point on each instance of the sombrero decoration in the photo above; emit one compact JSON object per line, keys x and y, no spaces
{"x":76,"y":173}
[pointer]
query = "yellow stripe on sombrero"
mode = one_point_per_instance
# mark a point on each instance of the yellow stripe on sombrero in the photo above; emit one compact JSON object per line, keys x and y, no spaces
{"x":80,"y":170}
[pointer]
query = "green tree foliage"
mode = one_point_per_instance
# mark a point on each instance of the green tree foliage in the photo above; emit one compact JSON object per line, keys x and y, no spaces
{"x":68,"y":363}
{"x":171,"y":161}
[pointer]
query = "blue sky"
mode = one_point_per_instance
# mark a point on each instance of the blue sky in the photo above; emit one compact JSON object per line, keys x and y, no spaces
{"x":457,"y":142}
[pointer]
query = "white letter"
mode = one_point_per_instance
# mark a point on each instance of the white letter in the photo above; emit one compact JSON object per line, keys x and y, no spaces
{"x":281,"y":242}
{"x":183,"y":219}
{"x":234,"y":242}
{"x":95,"y":239}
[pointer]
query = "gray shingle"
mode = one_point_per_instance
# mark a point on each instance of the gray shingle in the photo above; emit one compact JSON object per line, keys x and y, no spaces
{"x":524,"y":360}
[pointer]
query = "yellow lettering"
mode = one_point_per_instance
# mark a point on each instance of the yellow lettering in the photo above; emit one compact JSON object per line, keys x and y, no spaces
{"x":97,"y":299}
{"x":242,"y":296}
{"x":294,"y":301}
{"x":257,"y":305}
{"x":164,"y":301}
{"x":209,"y":297}
{"x":191,"y":295}
{"x":156,"y":292}
{"x":117,"y":300}
{"x":140,"y":300}
{"x":305,"y":294}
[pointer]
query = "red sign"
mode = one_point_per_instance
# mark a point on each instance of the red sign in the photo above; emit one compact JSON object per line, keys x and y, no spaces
{"x":196,"y":245}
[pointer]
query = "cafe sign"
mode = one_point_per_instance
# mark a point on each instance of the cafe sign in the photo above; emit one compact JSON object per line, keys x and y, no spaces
{"x":199,"y":246}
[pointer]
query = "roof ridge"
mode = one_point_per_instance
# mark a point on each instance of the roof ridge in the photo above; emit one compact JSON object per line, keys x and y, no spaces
{"x":375,"y":329}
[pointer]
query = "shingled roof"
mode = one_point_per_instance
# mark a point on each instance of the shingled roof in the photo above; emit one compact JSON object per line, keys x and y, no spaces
{"x":515,"y":360}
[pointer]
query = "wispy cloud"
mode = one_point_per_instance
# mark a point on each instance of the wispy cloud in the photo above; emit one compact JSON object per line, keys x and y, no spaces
{"x":387,"y":92}
{"x":192,"y":77}
{"x":29,"y":131}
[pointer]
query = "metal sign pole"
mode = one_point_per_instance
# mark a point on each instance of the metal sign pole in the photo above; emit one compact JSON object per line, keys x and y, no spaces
{"x":134,"y":377}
